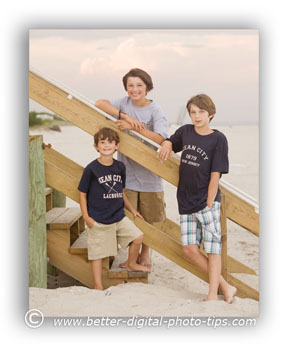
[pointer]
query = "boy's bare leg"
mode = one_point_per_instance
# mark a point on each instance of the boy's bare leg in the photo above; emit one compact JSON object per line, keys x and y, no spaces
{"x":97,"y":274}
{"x":214,"y":273}
{"x":193,"y":252}
{"x":133,"y":256}
{"x":145,"y":256}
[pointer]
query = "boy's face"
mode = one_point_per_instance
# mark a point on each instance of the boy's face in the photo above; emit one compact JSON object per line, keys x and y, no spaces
{"x":106,"y":147}
{"x":136,"y":88}
{"x":200,"y":117}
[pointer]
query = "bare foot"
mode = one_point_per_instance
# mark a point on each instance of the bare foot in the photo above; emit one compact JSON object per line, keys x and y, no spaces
{"x":211,"y":298}
{"x":123,"y":264}
{"x":138,"y":267}
{"x":229,"y":294}
{"x":145,"y":261}
{"x":101,"y":288}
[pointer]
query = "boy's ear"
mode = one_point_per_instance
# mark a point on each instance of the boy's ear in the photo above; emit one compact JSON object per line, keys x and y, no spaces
{"x":211,"y":116}
{"x":96,"y":147}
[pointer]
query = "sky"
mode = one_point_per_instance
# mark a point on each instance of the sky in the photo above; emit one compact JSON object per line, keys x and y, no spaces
{"x":182,"y":63}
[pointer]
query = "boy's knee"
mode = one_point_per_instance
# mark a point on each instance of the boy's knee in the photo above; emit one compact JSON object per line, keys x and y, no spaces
{"x":190,"y":250}
{"x":138,"y":240}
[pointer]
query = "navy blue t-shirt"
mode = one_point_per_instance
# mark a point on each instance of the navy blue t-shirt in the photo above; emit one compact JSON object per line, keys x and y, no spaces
{"x":201,"y":155}
{"x":104,"y":187}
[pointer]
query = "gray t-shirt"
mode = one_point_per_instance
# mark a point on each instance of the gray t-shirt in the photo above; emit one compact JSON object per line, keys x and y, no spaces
{"x":139,"y":178}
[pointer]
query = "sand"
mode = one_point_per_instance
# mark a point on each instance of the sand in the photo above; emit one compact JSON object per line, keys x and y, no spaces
{"x":171,"y":291}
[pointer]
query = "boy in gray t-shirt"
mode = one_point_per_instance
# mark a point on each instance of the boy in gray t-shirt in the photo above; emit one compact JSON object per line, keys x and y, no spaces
{"x":144,"y":189}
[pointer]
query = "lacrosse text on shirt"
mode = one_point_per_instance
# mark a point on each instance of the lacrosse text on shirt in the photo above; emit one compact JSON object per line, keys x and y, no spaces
{"x":104,"y":187}
{"x":110,"y":181}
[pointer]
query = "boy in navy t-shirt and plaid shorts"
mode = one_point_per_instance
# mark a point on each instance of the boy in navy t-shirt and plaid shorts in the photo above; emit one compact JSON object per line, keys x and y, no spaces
{"x":204,"y":159}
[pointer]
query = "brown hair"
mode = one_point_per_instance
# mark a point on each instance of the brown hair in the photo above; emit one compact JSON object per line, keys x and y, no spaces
{"x":136,"y":72}
{"x":202,"y":101}
{"x":106,"y":133}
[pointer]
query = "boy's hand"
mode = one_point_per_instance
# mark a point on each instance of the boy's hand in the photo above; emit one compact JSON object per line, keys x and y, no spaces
{"x":137,"y":125}
{"x":166,"y":151}
{"x":136,"y":214}
{"x":89,"y":221}
{"x":124,"y":125}
{"x":209,"y":203}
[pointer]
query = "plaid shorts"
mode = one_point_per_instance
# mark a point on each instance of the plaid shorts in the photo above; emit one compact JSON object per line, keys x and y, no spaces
{"x":203,"y":226}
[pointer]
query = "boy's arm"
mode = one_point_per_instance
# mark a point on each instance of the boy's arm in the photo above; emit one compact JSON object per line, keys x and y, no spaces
{"x":129,"y":206}
{"x":107,"y":107}
{"x":83,"y":206}
{"x":151,"y":135}
{"x":125,"y":125}
{"x":213,"y":188}
{"x":166,"y":151}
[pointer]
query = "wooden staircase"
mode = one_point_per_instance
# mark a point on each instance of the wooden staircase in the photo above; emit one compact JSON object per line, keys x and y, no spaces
{"x":64,"y":226}
{"x":63,"y":174}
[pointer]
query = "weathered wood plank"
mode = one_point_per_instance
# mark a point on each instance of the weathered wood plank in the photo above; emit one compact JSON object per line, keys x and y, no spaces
{"x":53,"y":214}
{"x":78,"y":250}
{"x":224,"y":256}
{"x":137,"y":274}
{"x":48,"y":201}
{"x":118,"y":275}
{"x":241,"y":212}
{"x":74,"y":231}
{"x":37,"y":215}
{"x":68,"y":186}
{"x":65,"y":219}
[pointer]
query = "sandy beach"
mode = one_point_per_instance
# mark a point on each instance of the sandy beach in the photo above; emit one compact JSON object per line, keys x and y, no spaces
{"x":171,"y":291}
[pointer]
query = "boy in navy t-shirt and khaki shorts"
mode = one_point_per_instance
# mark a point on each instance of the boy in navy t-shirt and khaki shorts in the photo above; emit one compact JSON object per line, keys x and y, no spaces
{"x":204,"y":159}
{"x":102,"y":202}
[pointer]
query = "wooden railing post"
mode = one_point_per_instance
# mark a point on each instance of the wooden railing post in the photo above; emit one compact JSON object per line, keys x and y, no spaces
{"x":223,"y":221}
{"x":37,"y":215}
{"x":58,"y":201}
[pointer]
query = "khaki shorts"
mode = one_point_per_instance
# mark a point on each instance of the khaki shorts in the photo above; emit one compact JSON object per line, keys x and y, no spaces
{"x":103,"y":239}
{"x":150,"y":205}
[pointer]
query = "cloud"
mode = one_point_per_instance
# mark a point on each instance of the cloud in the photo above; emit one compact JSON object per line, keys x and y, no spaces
{"x":131,"y":53}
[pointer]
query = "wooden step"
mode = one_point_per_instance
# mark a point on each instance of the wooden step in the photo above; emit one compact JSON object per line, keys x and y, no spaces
{"x":62,"y":218}
{"x":127,"y":275}
{"x":112,"y":274}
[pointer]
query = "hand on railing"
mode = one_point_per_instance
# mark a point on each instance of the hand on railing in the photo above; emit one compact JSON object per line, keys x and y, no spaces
{"x":165,"y":151}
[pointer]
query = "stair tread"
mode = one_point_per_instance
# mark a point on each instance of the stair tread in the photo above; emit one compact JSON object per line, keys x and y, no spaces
{"x":62,"y":218}
{"x":114,"y":273}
